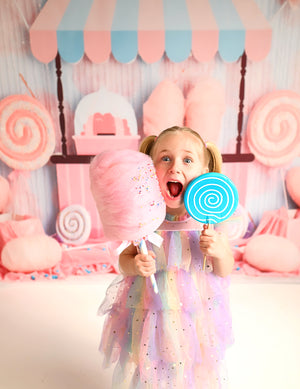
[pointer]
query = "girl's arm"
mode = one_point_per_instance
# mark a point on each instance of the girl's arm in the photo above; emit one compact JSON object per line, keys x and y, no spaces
{"x":132,"y":263}
{"x":216,"y":245}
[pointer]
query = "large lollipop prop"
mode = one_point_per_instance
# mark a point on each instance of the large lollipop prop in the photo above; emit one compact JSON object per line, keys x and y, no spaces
{"x":210,"y":199}
{"x":127,"y":195}
{"x":27,"y":136}
{"x":273,"y":128}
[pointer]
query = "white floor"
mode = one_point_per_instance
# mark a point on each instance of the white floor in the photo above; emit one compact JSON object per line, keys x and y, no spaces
{"x":49,"y":334}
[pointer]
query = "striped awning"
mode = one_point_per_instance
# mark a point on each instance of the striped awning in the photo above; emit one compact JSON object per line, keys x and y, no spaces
{"x":150,"y":28}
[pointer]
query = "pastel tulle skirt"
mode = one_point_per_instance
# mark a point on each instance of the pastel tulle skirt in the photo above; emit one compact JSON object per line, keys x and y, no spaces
{"x":176,"y":339}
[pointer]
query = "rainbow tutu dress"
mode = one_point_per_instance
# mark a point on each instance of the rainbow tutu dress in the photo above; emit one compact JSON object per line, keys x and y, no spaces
{"x":174,"y":339}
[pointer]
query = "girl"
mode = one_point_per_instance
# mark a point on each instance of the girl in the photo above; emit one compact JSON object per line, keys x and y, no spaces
{"x":175,"y":339}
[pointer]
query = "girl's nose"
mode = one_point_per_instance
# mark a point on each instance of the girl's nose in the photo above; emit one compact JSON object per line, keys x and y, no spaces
{"x":175,"y":167}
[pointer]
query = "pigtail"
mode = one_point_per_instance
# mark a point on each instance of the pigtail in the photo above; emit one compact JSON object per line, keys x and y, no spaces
{"x":147,"y":144}
{"x":215,"y":160}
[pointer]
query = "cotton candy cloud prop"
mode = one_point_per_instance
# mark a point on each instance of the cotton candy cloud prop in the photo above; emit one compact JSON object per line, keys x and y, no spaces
{"x":24,"y":247}
{"x":164,"y":108}
{"x":204,"y":108}
{"x":31,"y":253}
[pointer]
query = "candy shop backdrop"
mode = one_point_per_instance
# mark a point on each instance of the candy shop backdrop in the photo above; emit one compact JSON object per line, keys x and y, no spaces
{"x":78,"y":77}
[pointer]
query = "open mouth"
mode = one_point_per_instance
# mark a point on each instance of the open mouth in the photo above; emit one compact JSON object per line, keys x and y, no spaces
{"x":174,"y":189}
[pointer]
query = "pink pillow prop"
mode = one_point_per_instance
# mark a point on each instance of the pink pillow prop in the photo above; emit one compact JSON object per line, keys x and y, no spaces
{"x":164,"y":108}
{"x":4,"y":193}
{"x":292,"y":180}
{"x":31,"y":253}
{"x":205,"y":106}
{"x":272,"y":253}
{"x":19,"y":227}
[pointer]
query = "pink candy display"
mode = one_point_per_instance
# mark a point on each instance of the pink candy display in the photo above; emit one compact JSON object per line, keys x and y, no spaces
{"x":27,"y":137}
{"x":127,"y":194}
{"x":273,"y":129}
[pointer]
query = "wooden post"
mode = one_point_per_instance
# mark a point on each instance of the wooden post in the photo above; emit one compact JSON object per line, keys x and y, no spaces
{"x":241,"y":105}
{"x":60,"y":97}
{"x":238,"y":156}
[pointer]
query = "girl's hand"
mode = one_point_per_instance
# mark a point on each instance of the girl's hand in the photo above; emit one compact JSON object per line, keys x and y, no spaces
{"x":145,"y":264}
{"x":216,"y":245}
{"x":213,"y":243}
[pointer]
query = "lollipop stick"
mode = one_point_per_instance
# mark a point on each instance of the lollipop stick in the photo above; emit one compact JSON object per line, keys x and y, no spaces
{"x":144,"y":250}
{"x":205,"y":227}
{"x":204,"y":263}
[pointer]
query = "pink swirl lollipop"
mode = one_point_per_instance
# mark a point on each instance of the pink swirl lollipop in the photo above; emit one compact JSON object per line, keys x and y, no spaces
{"x":273,"y":128}
{"x":73,"y":224}
{"x":27,"y":137}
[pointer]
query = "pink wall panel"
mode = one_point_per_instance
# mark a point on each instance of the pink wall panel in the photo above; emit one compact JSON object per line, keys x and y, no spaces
{"x":73,"y":188}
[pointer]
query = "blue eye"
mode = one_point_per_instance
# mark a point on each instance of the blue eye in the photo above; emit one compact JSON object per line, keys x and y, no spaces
{"x":166,"y":158}
{"x":188,"y":160}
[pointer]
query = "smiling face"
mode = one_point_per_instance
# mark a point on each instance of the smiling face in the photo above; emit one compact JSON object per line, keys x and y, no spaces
{"x":178,"y":158}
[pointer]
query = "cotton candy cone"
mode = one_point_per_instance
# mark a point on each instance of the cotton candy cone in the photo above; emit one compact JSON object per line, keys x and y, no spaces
{"x":127,"y":194}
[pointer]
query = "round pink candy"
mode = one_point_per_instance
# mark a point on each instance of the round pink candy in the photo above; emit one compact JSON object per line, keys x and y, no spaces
{"x":27,"y":137}
{"x":273,"y":129}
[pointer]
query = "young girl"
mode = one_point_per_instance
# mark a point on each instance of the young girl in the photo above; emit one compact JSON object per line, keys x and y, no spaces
{"x":177,"y":338}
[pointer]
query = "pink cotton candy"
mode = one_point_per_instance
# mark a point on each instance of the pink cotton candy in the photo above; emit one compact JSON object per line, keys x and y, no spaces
{"x":164,"y":108}
{"x":127,"y":194}
{"x":205,"y":106}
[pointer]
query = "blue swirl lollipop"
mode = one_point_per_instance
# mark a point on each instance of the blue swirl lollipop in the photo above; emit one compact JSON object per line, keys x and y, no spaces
{"x":211,"y":198}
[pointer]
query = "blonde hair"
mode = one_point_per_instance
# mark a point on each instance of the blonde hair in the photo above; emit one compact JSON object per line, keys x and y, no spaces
{"x":212,"y":155}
